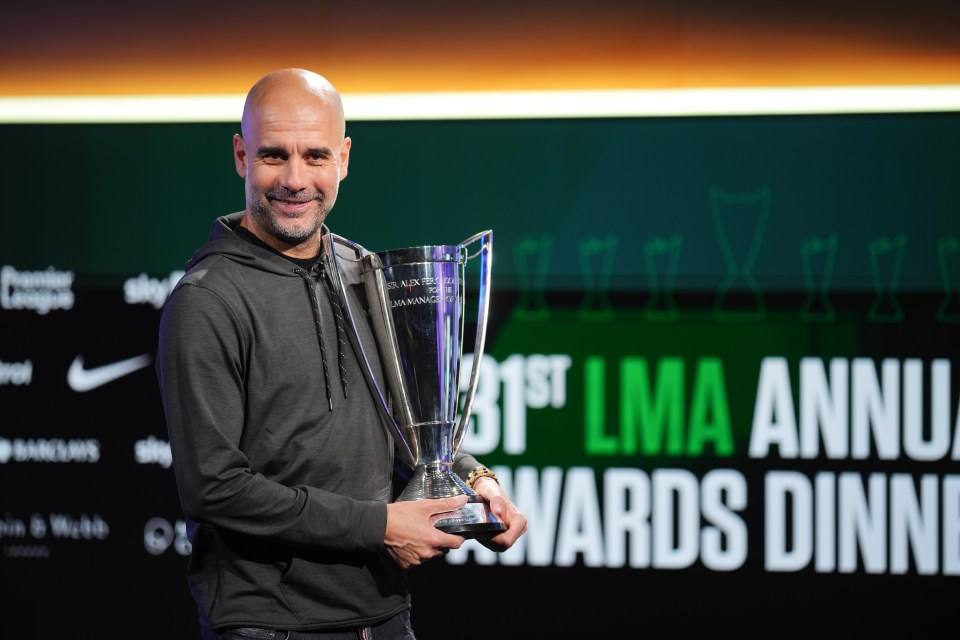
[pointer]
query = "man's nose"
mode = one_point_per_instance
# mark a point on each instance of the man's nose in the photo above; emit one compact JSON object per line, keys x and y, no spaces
{"x":293,"y":176}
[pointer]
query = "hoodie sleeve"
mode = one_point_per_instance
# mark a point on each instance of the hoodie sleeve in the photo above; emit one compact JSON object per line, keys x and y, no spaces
{"x":200,"y":368}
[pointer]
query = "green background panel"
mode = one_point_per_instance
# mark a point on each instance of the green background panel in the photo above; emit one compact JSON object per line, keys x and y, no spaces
{"x":108,"y":200}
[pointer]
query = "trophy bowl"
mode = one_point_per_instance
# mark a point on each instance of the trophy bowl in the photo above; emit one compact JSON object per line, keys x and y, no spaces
{"x":413,"y":304}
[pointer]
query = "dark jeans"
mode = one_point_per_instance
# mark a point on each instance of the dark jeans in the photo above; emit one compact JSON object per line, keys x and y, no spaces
{"x":396,"y":628}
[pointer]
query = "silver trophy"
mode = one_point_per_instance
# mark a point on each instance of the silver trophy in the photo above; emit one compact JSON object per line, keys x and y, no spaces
{"x":413,"y":305}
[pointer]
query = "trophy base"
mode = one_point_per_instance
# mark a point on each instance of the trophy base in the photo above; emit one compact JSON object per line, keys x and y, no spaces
{"x":472,"y":520}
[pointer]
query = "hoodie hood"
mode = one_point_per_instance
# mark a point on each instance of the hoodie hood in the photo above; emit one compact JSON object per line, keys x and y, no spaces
{"x":224,"y":241}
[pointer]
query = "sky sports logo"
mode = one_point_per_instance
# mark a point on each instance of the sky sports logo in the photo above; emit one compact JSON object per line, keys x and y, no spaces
{"x":16,"y":373}
{"x":153,"y":451}
{"x":146,"y":290}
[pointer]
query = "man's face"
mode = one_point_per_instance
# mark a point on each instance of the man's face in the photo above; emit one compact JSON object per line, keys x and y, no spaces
{"x":293,"y":158}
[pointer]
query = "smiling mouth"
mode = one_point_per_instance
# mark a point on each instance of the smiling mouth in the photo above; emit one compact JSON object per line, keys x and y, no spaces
{"x":295,"y":207}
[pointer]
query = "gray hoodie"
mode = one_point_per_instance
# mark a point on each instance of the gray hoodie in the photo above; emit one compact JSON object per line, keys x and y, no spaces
{"x":285,"y":497}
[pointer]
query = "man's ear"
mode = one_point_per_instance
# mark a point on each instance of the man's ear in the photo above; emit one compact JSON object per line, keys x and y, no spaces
{"x":345,"y":157}
{"x":240,"y":155}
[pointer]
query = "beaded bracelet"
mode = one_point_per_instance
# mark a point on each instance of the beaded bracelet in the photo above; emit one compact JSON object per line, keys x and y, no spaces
{"x":480,"y":472}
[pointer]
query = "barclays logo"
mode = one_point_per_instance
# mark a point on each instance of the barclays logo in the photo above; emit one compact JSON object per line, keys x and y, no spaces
{"x":49,"y":450}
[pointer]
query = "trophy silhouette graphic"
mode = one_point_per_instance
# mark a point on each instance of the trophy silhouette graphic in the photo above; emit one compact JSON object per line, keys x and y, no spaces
{"x":662,"y":307}
{"x":948,"y":257}
{"x":886,"y":263}
{"x":532,"y":256}
{"x":739,"y":221}
{"x":414,"y":300}
{"x":818,"y":252}
{"x":596,"y":303}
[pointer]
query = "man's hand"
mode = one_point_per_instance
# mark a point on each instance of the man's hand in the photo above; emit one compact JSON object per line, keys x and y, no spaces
{"x":411,"y":538}
{"x":502,"y":507}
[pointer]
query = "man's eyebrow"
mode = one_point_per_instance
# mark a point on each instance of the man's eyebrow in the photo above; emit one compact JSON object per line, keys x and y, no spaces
{"x":265,"y":151}
{"x":322,"y":152}
{"x":277,"y":151}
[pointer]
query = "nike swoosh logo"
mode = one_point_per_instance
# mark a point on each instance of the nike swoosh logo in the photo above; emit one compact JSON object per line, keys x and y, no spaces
{"x":81,"y":380}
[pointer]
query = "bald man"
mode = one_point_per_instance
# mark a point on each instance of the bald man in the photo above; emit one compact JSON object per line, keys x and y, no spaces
{"x":284,"y":469}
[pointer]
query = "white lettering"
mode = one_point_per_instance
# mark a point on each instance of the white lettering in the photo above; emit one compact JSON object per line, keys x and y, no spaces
{"x":913,"y":524}
{"x":823,"y":408}
{"x":483,"y":430}
{"x":774,"y":420}
{"x":53,"y":450}
{"x":153,"y":451}
{"x":951,"y":525}
{"x":842,"y":522}
{"x":914,"y":443}
{"x":877,"y":407}
{"x":861,"y":521}
{"x":146,"y":290}
{"x":41,"y":291}
{"x":579,"y":532}
{"x":11,"y":527}
{"x":626,"y":517}
{"x":855,"y":412}
{"x":63,"y":525}
{"x":16,"y":373}
{"x":534,"y":381}
{"x":724,"y":542}
{"x":26,"y":551}
{"x":676,"y":518}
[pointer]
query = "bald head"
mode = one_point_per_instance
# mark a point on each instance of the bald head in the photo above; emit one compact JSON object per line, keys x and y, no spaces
{"x":291,"y":88}
{"x":292,"y":154}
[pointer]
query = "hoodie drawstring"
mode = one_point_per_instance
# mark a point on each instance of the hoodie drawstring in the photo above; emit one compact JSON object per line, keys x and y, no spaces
{"x":338,"y":324}
{"x":319,"y":272}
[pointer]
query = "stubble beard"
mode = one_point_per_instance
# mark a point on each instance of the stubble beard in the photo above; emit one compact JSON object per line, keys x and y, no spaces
{"x":274,"y":223}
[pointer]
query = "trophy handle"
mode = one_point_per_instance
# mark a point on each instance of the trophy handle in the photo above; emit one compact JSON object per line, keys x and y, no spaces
{"x":407,"y":453}
{"x":486,"y":259}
